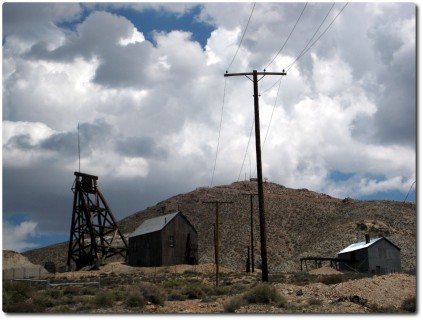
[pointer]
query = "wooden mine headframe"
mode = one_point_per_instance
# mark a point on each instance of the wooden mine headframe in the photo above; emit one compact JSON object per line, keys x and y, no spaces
{"x":94,"y":234}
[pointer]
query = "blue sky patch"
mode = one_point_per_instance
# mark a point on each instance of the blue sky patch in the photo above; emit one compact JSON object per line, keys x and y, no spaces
{"x":151,"y":20}
{"x":391,"y":195}
{"x":336,"y":175}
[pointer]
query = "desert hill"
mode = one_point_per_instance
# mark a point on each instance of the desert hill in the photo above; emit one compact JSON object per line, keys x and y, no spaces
{"x":299,"y":223}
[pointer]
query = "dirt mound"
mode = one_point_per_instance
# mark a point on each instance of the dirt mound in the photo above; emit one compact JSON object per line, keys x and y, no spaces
{"x":12,"y":259}
{"x":324,"y":270}
{"x":17,"y":266}
{"x":120,"y":267}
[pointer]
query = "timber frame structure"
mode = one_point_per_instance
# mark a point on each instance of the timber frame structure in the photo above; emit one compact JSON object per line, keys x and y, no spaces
{"x":94,"y":234}
{"x":334,"y":262}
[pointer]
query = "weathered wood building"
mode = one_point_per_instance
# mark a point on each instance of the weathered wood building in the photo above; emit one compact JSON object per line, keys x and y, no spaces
{"x":163,"y":241}
{"x":375,"y":256}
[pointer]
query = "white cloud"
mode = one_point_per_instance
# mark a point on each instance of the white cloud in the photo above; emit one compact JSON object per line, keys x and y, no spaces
{"x":134,"y":38}
{"x":16,"y":237}
{"x":150,"y":111}
{"x":331,"y":76}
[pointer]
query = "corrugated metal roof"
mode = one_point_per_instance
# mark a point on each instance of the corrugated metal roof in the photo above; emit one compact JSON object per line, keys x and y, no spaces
{"x":359,"y":245}
{"x":153,"y":224}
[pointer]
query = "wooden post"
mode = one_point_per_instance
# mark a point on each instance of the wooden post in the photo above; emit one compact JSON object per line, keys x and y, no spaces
{"x":216,"y":242}
{"x":263,"y":245}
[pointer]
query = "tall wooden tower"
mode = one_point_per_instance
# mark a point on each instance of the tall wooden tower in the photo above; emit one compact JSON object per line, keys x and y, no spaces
{"x":94,"y":234}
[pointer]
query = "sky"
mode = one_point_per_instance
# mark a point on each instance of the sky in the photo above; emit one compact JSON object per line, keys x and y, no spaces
{"x":145,"y":84}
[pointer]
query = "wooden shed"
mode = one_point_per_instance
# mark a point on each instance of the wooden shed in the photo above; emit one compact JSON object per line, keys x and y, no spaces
{"x":375,"y":256}
{"x":163,"y":241}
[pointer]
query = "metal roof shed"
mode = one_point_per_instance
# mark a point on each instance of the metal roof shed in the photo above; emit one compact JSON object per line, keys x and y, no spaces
{"x":375,"y":256}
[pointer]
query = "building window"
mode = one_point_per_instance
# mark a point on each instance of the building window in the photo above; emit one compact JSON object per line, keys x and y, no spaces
{"x":171,"y":241}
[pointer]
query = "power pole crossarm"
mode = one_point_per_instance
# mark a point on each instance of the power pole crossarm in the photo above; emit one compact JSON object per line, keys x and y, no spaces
{"x":263,"y":73}
{"x":262,"y":220}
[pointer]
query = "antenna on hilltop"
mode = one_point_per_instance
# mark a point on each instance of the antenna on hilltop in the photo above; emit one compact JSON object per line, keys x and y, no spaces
{"x":79,"y":153}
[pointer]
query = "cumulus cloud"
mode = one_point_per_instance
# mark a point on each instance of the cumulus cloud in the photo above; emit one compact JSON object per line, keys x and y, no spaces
{"x":15,"y":237}
{"x":149,"y":108}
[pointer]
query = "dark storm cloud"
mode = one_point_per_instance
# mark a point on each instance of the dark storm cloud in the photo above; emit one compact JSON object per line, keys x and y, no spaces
{"x":95,"y":135}
{"x":21,"y":141}
{"x":34,"y":20}
{"x":395,"y":120}
{"x":98,"y":37}
{"x":126,"y":67}
{"x":29,"y":190}
{"x":140,"y":147}
{"x":92,"y":136}
{"x":63,"y":143}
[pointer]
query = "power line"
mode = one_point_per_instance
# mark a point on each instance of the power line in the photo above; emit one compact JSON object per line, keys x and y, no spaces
{"x":220,"y":129}
{"x":242,"y":38}
{"x":246,"y":151}
{"x":318,"y":38}
{"x":288,"y":37}
{"x":409,"y":191}
{"x":271,"y":116}
{"x":317,"y":30}
{"x":307,"y":48}
{"x":224,"y":93}
{"x":299,"y":56}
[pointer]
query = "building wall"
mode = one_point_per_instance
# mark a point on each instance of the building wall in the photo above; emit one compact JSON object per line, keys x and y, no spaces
{"x":145,"y":250}
{"x":358,"y":261}
{"x":157,"y":249}
{"x":384,"y":258}
{"x":174,"y":239}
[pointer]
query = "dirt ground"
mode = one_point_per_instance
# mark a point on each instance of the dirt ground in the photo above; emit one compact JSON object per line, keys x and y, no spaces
{"x":385,"y":292}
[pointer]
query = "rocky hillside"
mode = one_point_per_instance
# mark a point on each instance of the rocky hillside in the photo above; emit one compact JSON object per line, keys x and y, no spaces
{"x":299,"y":222}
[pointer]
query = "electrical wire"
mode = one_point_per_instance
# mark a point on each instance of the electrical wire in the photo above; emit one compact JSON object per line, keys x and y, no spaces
{"x":242,"y":38}
{"x":220,"y":129}
{"x":409,"y":191}
{"x":271,"y":116}
{"x":246,"y":150}
{"x":224,"y":94}
{"x":305,"y":49}
{"x":280,"y":80}
{"x":283,"y":46}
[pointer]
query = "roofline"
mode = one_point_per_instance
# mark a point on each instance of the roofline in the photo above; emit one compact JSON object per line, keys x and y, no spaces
{"x":175,"y":213}
{"x":371,"y":244}
{"x":390,"y":243}
{"x":186,"y":219}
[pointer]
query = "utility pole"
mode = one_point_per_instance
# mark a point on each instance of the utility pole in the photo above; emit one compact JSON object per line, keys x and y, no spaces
{"x":255,"y":81}
{"x":216,"y":237}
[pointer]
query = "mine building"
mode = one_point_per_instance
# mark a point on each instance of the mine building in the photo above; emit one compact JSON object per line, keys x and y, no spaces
{"x":163,"y":241}
{"x":374,"y":256}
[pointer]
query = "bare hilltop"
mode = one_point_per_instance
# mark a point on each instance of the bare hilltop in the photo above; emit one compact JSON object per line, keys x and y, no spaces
{"x":299,"y":223}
